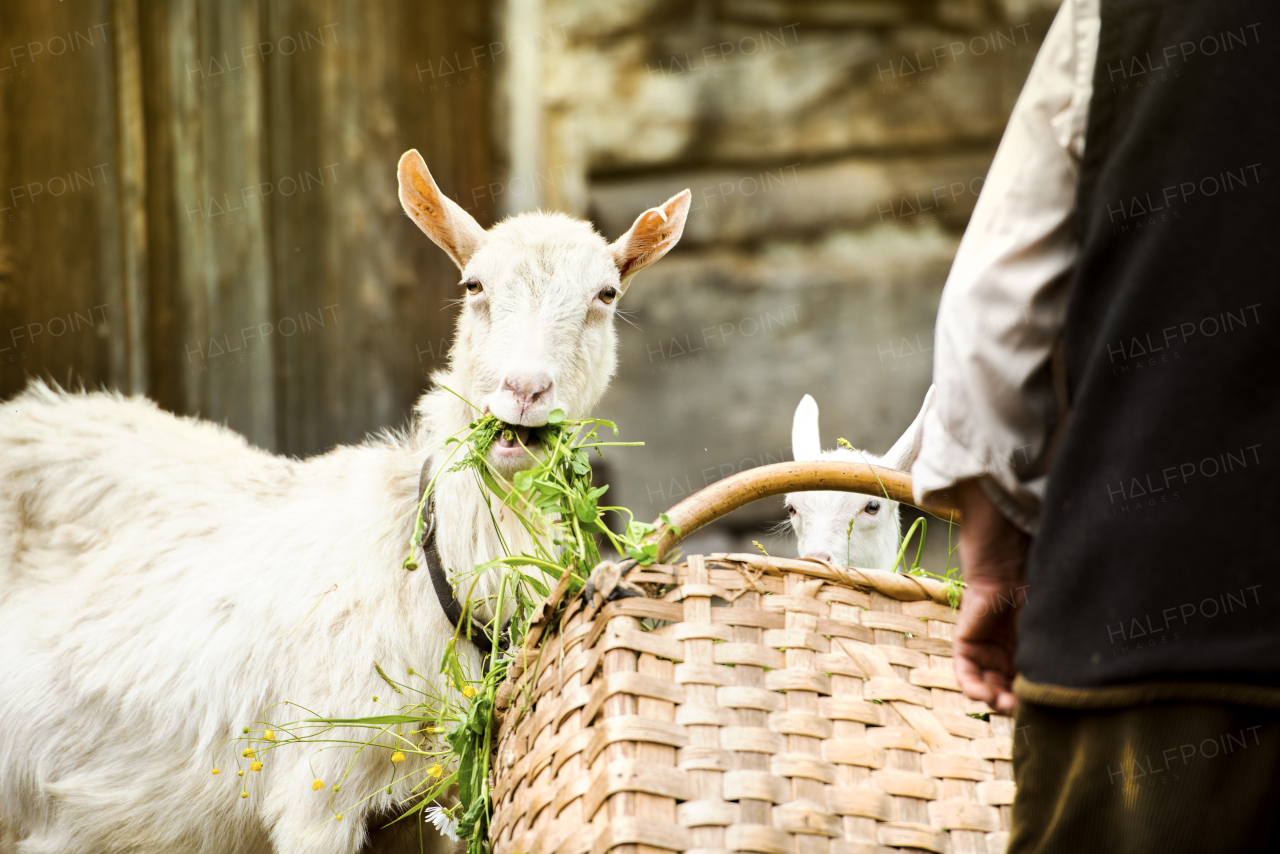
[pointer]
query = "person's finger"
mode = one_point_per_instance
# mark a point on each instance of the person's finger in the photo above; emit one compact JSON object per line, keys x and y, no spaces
{"x":969,"y":675}
{"x":1001,"y":679}
{"x":975,"y":689}
{"x":1005,"y":703}
{"x":985,"y":686}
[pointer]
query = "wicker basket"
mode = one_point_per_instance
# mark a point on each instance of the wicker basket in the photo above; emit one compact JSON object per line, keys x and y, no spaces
{"x":757,"y":704}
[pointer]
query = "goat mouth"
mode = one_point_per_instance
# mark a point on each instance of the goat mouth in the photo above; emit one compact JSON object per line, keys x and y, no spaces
{"x":512,"y":436}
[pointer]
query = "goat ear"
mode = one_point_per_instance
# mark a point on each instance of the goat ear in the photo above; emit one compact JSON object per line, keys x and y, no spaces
{"x":651,"y":236}
{"x":805,"y":444}
{"x":907,"y":448}
{"x":440,"y":218}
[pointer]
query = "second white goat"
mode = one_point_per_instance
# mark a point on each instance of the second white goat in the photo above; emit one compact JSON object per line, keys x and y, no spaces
{"x":844,"y":527}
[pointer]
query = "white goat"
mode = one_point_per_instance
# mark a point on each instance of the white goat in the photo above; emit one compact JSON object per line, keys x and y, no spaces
{"x":164,"y":582}
{"x":847,"y":528}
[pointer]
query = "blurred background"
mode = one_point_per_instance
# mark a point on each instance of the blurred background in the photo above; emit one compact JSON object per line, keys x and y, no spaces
{"x":198,"y":203}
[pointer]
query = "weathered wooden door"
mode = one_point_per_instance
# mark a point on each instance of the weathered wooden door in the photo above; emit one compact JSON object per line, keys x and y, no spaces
{"x":197,"y":202}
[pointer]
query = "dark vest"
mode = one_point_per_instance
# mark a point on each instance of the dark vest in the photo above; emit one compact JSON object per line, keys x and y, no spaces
{"x":1157,"y":556}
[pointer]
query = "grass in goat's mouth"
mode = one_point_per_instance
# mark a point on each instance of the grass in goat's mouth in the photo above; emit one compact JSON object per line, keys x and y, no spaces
{"x":515,"y":435}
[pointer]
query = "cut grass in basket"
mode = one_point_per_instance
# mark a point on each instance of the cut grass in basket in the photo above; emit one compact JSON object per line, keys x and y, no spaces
{"x":557,"y":504}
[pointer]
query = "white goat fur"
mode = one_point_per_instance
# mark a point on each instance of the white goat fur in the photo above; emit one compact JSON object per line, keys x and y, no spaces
{"x":822,"y":520}
{"x":164,"y":582}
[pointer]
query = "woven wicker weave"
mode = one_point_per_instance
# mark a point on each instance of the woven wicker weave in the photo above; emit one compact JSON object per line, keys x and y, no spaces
{"x":757,"y":704}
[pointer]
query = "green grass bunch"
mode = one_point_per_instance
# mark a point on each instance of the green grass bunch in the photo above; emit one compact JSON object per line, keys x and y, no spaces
{"x":453,"y":729}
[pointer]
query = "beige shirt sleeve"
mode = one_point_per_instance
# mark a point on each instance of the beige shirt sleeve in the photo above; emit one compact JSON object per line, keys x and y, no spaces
{"x":1004,"y":303}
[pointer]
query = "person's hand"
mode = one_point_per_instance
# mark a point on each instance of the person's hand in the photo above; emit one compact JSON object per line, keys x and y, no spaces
{"x":993,"y":553}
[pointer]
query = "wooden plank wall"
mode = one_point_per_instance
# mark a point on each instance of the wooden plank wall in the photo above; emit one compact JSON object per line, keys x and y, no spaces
{"x":197,"y":202}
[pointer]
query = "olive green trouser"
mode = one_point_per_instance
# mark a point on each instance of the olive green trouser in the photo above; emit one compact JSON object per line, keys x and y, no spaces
{"x":1164,"y":778}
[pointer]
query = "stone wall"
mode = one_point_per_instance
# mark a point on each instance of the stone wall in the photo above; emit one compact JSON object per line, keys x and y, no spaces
{"x":835,"y":149}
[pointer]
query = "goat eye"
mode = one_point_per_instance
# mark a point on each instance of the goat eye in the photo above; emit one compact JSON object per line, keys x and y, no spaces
{"x":607,"y":294}
{"x":872,"y":508}
{"x":791,"y":511}
{"x":473,"y":287}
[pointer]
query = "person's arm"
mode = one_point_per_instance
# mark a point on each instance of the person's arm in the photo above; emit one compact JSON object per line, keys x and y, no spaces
{"x":987,"y":435}
{"x":1004,"y":303}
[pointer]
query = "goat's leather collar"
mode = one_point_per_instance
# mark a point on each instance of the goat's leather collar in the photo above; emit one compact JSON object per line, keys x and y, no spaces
{"x":440,"y":581}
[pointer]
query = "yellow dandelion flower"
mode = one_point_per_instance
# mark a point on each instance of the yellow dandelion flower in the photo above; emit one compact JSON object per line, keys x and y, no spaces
{"x":338,"y":816}
{"x":216,"y":771}
{"x":269,"y":735}
{"x":244,"y":794}
{"x":248,"y":753}
{"x":256,"y":766}
{"x":435,"y":771}
{"x":397,"y":757}
{"x":468,"y":691}
{"x":317,"y":785}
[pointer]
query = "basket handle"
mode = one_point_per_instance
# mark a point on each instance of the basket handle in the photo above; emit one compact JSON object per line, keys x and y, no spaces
{"x":738,"y":490}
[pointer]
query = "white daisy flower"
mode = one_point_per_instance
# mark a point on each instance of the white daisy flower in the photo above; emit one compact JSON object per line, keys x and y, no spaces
{"x":440,"y":818}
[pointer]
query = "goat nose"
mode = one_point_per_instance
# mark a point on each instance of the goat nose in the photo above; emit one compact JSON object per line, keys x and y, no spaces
{"x":818,"y":556}
{"x":528,"y":388}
